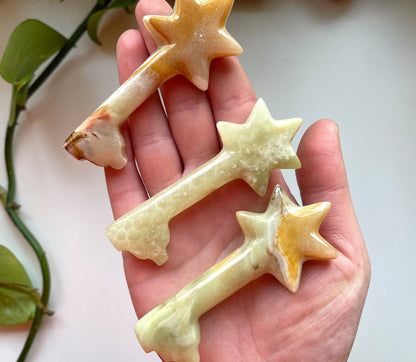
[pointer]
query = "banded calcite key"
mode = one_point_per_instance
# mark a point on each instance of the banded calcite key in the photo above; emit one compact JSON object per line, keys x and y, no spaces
{"x":250,"y":152}
{"x":277,"y":242}
{"x":189,"y":39}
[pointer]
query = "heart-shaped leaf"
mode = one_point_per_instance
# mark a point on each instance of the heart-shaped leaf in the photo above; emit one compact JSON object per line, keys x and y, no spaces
{"x":94,"y":20}
{"x":30,"y":44}
{"x":18,"y":299}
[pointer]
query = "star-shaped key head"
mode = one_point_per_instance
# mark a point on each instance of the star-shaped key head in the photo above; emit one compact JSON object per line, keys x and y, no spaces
{"x":291,"y":233}
{"x":262,"y":144}
{"x":194,"y":35}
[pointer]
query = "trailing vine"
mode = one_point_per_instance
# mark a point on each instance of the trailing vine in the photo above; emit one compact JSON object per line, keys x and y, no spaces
{"x":34,"y":42}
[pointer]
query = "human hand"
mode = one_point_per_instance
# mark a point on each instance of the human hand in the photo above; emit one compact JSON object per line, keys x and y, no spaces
{"x":263,"y":321}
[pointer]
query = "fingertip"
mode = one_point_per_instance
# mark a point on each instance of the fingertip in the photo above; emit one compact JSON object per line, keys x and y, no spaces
{"x":321,"y":127}
{"x":323,"y":177}
{"x":127,"y":40}
{"x":230,"y":91}
{"x":322,"y":162}
{"x":131,"y":52}
{"x":150,"y":7}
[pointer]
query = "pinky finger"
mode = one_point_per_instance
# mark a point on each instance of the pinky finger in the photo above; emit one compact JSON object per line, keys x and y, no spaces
{"x":125,"y":187}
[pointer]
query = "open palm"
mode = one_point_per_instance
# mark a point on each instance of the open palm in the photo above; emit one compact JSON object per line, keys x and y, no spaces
{"x":263,"y":321}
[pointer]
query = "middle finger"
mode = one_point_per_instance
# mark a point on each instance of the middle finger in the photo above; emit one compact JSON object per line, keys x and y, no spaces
{"x":188,"y":109}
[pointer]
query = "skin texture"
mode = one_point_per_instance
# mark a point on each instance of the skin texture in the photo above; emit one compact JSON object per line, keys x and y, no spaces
{"x":263,"y":321}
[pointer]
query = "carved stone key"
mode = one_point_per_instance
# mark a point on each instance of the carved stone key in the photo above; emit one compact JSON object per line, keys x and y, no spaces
{"x":250,"y":152}
{"x":278,"y":241}
{"x":189,"y":39}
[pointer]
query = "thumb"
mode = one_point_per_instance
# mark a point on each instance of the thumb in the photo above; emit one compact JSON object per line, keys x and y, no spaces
{"x":323,"y":178}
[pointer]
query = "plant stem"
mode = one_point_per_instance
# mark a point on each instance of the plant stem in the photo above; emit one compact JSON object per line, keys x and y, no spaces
{"x":69,"y":44}
{"x":8,"y":147}
{"x":10,"y":204}
{"x":11,"y":210}
{"x":46,"y":281}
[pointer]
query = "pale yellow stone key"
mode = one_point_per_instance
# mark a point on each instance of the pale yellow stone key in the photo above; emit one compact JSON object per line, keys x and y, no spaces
{"x":277,"y":242}
{"x":250,"y":152}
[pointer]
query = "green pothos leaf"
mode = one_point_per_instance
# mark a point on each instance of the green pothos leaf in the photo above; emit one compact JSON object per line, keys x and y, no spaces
{"x":30,"y":44}
{"x":18,"y":299}
{"x":95,"y":19}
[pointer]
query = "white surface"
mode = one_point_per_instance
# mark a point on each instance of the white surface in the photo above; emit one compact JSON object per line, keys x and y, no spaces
{"x":352,"y":61}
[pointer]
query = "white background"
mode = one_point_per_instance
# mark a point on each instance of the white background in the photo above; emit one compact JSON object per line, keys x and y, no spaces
{"x":352,"y":61}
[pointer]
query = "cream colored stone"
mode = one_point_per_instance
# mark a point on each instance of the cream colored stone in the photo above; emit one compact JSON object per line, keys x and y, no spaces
{"x":278,"y":241}
{"x":250,"y":152}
